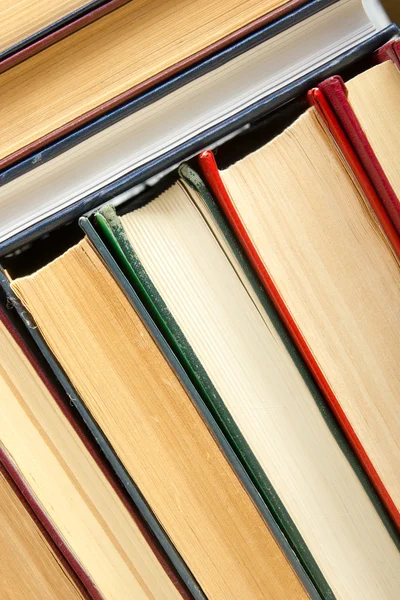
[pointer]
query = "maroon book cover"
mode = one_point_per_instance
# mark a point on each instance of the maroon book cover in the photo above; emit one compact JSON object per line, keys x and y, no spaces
{"x":85,"y":582}
{"x":334,"y":90}
{"x":390,"y":51}
{"x":81,"y":579}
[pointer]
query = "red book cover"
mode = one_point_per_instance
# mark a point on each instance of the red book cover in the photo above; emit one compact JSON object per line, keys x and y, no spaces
{"x":210,"y":170}
{"x":334,"y":90}
{"x":317,"y":99}
{"x":7,"y":465}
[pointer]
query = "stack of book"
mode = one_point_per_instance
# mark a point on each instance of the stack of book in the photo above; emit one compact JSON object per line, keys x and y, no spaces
{"x":200,"y":300}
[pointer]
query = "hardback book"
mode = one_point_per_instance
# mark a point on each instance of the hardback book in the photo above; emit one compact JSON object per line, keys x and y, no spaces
{"x":27,"y":27}
{"x":367,"y":110}
{"x":117,"y":44}
{"x":180,"y":256}
{"x":317,"y":99}
{"x":71,"y":493}
{"x":168,"y":123}
{"x":324,"y":258}
{"x":30,"y":565}
{"x":135,"y":390}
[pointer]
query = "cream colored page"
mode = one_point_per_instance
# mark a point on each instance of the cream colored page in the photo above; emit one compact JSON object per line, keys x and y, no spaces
{"x":336,"y":275}
{"x":267,"y":398}
{"x":70,"y":486}
{"x":375,"y":98}
{"x":22,"y":18}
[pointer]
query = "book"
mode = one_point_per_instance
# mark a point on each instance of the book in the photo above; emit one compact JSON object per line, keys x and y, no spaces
{"x":170,"y":122}
{"x":24,"y":24}
{"x":25,"y":548}
{"x":317,"y":99}
{"x":366,"y":107}
{"x":160,"y":432}
{"x":191,"y":452}
{"x":117,"y":44}
{"x":181,"y":258}
{"x":330,"y":269}
{"x":70,"y":490}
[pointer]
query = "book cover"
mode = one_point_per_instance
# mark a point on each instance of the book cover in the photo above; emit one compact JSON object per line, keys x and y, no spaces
{"x":225,"y":459}
{"x":335,"y":92}
{"x":15,"y":481}
{"x":389,"y":51}
{"x":55,"y":31}
{"x":81,"y":579}
{"x":163,"y":330}
{"x":317,"y":99}
{"x":122,"y":11}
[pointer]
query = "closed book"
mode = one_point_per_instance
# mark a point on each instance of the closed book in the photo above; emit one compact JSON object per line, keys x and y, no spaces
{"x":29,"y":29}
{"x":25,"y":547}
{"x":318,"y":100}
{"x":366,"y":109}
{"x":160,"y":431}
{"x":116,"y":43}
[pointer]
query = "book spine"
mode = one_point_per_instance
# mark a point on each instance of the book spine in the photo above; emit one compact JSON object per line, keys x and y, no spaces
{"x":211,"y":173}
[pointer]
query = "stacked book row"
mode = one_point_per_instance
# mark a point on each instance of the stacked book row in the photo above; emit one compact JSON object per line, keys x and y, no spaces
{"x":199,"y":317}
